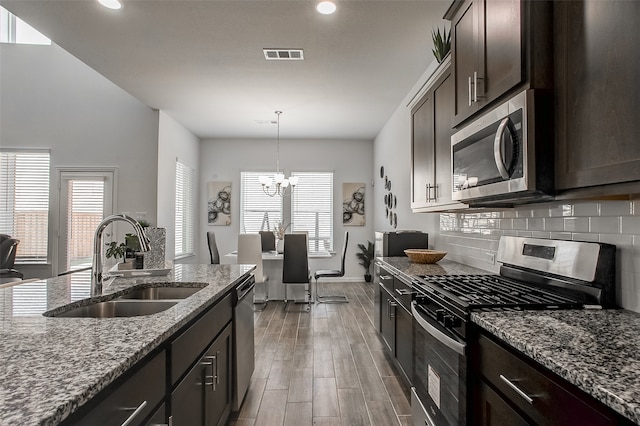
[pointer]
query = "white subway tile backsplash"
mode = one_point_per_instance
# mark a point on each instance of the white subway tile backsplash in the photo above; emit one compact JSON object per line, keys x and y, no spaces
{"x":471,"y":236}
{"x":586,"y":208}
{"x":576,"y":224}
{"x":605,"y":225}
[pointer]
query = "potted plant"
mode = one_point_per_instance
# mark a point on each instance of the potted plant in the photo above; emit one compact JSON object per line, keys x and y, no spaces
{"x":366,"y":256}
{"x":116,"y":250}
{"x":441,"y":43}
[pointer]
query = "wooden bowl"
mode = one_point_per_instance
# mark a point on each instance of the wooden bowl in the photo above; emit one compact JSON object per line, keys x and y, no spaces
{"x":425,"y":255}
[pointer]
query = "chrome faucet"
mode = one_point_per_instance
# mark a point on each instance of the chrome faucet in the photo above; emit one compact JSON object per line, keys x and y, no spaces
{"x":96,"y":269}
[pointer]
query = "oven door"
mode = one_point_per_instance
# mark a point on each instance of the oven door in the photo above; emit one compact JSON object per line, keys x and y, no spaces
{"x":439,"y":373}
{"x":489,"y":157}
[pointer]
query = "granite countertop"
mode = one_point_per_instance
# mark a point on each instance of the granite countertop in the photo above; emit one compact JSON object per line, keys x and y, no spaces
{"x":50,"y":366}
{"x":404,"y":266}
{"x":596,"y":350}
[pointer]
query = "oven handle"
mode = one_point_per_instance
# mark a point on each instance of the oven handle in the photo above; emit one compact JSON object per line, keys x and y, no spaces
{"x":449,"y":342}
{"x":497,"y":144}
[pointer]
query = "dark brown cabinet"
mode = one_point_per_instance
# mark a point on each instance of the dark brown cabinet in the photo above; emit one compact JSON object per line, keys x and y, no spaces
{"x":508,"y":388}
{"x":498,"y":45}
{"x":387,"y":320}
{"x":203,"y":397}
{"x":432,"y":127}
{"x":596,"y":70}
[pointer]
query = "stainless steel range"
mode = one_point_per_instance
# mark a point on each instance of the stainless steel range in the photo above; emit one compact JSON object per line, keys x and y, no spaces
{"x":535,"y":274}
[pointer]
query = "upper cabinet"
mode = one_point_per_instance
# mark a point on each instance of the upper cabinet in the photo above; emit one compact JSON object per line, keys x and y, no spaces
{"x":597,"y":106}
{"x":495,"y":49}
{"x":431,"y":118}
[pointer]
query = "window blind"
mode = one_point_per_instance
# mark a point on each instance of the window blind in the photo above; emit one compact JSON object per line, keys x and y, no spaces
{"x":312,"y":209}
{"x":258,"y":211}
{"x":85,"y":211}
{"x":184,"y":219}
{"x":24,"y":202}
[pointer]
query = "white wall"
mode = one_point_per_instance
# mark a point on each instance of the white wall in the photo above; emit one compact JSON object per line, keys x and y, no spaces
{"x":350,"y":160}
{"x":174,"y":142}
{"x":49,"y":99}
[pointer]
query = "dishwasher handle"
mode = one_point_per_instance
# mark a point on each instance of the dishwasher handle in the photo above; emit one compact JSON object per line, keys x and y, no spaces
{"x":245,"y":288}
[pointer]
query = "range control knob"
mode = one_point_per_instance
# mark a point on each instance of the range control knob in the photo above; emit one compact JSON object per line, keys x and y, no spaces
{"x":451,"y":321}
{"x":440,"y":315}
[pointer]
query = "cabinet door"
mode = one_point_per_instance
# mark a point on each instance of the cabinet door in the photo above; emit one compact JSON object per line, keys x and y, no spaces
{"x":464,"y":47}
{"x":597,"y":66}
{"x":188,"y":398}
{"x":422,"y":160}
{"x":218,"y":379}
{"x":500,"y":64}
{"x":387,"y":320}
{"x":443,"y":119}
{"x":491,"y":410}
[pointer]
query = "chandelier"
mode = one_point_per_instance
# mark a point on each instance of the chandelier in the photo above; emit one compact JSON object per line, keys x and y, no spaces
{"x":278,"y":184}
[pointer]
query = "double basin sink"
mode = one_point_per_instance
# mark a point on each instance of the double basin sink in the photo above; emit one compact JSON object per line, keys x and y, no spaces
{"x":132,"y":303}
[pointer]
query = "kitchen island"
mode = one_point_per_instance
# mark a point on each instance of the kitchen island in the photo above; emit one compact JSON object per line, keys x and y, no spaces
{"x":51,"y":366}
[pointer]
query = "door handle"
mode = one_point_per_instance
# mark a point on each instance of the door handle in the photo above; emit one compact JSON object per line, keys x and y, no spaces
{"x":470,"y":98}
{"x":212,"y":362}
{"x":135,"y":413}
{"x":497,"y":148}
{"x":517,"y":389}
{"x":392,"y":305}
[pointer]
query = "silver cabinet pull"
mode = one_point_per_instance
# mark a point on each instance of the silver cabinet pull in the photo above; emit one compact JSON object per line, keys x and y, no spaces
{"x":470,"y":98}
{"x":392,"y":305}
{"x":135,"y":413}
{"x":210,"y":380}
{"x":404,"y":291}
{"x":475,"y":86}
{"x":217,"y":376}
{"x":517,"y":389}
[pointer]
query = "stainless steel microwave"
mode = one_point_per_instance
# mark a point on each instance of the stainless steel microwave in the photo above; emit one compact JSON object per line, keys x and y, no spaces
{"x":506,"y":155}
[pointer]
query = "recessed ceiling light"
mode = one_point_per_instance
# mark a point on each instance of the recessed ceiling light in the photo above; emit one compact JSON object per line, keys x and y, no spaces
{"x":326,"y":7}
{"x":111,"y":4}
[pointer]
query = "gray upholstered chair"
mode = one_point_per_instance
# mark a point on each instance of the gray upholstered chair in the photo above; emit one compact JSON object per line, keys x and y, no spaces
{"x":332,"y":273}
{"x":268,"y":240}
{"x":213,"y":247}
{"x":295,"y":265}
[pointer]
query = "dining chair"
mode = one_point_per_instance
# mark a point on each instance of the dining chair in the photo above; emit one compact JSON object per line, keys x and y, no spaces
{"x":213,"y":248}
{"x":250,"y":252}
{"x":8,"y":249}
{"x":295,"y":265}
{"x":332,"y":273}
{"x":268,"y":240}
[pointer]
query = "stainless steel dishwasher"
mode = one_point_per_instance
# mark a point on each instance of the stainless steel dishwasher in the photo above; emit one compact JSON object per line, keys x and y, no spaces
{"x":243,"y":344}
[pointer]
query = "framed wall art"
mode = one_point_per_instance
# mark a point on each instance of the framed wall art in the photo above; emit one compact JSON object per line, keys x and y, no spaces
{"x":353,"y":204}
{"x":219,"y":203}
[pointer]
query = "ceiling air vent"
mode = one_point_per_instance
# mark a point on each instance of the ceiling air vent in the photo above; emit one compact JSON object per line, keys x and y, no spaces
{"x":283,"y":54}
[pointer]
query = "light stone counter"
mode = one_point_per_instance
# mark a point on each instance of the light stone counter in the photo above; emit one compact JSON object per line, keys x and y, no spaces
{"x":50,"y":366}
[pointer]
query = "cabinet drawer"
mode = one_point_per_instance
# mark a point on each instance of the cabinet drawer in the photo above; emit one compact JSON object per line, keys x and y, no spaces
{"x":552,"y":400}
{"x":189,"y":345}
{"x":144,"y":390}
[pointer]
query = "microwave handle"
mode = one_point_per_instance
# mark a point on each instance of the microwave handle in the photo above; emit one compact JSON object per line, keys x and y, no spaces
{"x":497,"y":144}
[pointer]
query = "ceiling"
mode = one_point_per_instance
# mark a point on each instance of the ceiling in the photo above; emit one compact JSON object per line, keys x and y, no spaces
{"x":202,"y":61}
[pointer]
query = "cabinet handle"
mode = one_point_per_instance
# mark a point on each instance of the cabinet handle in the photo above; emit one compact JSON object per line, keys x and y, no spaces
{"x":210,"y":380}
{"x":135,"y":413}
{"x":392,"y":305}
{"x":517,"y":389}
{"x":217,"y":375}
{"x":470,"y":98}
{"x":475,"y":86}
{"x":404,"y":292}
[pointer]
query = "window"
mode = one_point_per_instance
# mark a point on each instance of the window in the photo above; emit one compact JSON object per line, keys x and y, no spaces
{"x":24,"y":202}
{"x":258,"y":211}
{"x":184,"y":221}
{"x":15,"y":30}
{"x":312,"y":209}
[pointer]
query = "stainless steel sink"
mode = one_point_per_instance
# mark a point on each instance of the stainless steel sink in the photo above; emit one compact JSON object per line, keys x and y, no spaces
{"x":116,"y":308}
{"x":160,"y":293}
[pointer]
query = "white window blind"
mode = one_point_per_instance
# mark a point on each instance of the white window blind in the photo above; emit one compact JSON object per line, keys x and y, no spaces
{"x":312,"y":209}
{"x":85,"y":211}
{"x":24,"y":202}
{"x":184,"y":220}
{"x":258,"y":211}
{"x":15,"y":30}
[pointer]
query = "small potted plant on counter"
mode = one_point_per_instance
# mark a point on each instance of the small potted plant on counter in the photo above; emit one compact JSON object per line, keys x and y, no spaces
{"x":366,"y":256}
{"x":116,"y":251}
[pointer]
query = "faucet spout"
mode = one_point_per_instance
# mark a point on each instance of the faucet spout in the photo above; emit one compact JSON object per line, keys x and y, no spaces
{"x":96,"y":269}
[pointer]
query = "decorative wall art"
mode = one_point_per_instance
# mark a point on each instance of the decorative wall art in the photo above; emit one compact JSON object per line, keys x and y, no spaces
{"x":219,"y":203}
{"x":353,"y":204}
{"x":390,"y":200}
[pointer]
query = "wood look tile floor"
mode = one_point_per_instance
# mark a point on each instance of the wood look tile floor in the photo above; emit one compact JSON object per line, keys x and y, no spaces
{"x":325,"y":367}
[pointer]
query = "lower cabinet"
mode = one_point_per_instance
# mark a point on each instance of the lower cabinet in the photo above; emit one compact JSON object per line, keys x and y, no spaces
{"x":387,"y":319}
{"x":396,"y":329}
{"x":131,"y":400}
{"x":509,"y":388}
{"x":203,"y":397}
